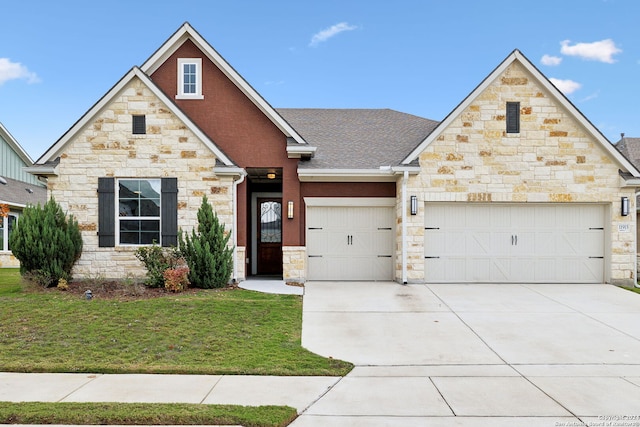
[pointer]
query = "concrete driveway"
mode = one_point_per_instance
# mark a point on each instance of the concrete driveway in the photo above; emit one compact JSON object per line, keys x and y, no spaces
{"x":475,"y":355}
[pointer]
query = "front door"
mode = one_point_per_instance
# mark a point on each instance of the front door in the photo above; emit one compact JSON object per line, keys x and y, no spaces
{"x":269,"y":236}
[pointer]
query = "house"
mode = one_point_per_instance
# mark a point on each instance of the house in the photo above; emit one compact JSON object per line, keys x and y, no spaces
{"x":17,"y":190}
{"x":514,"y":185}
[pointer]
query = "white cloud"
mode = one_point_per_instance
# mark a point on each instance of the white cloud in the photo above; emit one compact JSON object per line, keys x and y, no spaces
{"x":602,"y":50}
{"x":551,"y":60}
{"x":590,"y":97}
{"x":14,"y":71}
{"x":332,"y":31}
{"x":565,"y":86}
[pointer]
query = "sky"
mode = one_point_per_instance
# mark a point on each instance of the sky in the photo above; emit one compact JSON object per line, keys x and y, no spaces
{"x":422,"y":57}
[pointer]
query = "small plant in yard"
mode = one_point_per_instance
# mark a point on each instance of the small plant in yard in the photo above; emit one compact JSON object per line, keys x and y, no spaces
{"x":208,"y":255}
{"x":156,"y":260}
{"x":176,"y":279}
{"x":47,"y":243}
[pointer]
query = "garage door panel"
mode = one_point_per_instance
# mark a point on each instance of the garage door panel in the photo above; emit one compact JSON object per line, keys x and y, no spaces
{"x":350,"y":243}
{"x":515,"y":242}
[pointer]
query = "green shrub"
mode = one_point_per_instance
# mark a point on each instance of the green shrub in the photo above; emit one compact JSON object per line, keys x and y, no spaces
{"x":156,"y":260}
{"x":209,"y":258}
{"x":46,"y":243}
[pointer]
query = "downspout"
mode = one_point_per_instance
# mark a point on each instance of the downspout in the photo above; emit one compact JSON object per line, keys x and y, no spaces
{"x":236,"y":182}
{"x":405,"y":178}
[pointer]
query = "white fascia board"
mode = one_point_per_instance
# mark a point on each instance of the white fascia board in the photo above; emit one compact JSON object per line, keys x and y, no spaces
{"x":294,"y":151}
{"x":346,"y":175}
{"x":42,"y":169}
{"x":558,"y":96}
{"x":188,"y":32}
{"x":12,"y":204}
{"x":89,"y":116}
{"x":6,"y":135}
{"x":229,"y":171}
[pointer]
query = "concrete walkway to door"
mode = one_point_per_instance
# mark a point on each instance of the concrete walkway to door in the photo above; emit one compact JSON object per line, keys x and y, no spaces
{"x":475,"y":355}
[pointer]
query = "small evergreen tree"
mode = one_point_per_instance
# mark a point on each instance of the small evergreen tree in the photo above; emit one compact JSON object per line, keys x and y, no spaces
{"x":46,"y":243}
{"x":209,"y":258}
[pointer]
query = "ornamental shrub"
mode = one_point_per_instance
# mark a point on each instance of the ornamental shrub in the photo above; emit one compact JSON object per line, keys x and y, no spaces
{"x":46,"y":243}
{"x":209,"y":258}
{"x":156,"y":260}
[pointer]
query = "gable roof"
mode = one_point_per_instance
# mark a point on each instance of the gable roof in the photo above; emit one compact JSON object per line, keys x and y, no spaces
{"x":357,"y":138}
{"x":17,"y":148}
{"x":56,"y":149}
{"x":558,"y":96}
{"x":19,"y":193}
{"x":186,"y":32}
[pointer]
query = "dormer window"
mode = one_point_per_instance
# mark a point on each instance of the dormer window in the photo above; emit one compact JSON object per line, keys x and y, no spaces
{"x":189,"y":78}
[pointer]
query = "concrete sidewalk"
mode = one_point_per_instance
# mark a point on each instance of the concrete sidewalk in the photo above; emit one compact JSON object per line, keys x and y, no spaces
{"x":297,"y":392}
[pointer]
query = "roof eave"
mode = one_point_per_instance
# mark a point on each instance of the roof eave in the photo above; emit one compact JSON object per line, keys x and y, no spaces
{"x":384,"y":174}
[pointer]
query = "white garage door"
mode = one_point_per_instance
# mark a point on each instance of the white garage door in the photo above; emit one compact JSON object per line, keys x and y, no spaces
{"x":350,"y":243}
{"x":516,"y":243}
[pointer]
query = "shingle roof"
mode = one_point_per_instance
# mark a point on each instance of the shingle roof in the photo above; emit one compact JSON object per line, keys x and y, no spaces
{"x":630,"y":148}
{"x":357,"y":138}
{"x":21,"y":193}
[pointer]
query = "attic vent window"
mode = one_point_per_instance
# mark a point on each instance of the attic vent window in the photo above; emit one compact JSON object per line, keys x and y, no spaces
{"x":189,"y":78}
{"x":139,"y":125}
{"x":513,"y":117}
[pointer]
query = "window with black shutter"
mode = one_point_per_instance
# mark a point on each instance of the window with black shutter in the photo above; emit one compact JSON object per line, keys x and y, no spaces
{"x":139,"y":125}
{"x":147,"y":211}
{"x":513,"y":117}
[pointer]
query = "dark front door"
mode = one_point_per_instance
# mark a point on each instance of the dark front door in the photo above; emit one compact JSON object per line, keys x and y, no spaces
{"x":270,"y":236}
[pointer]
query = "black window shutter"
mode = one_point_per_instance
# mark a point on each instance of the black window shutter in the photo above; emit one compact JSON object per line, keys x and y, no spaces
{"x":139,"y":125}
{"x":169,"y":214}
{"x":106,"y":213}
{"x":513,"y":117}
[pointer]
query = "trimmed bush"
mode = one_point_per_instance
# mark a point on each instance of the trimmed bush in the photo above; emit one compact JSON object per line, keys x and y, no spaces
{"x":209,"y":258}
{"x":46,"y":243}
{"x":156,"y":260}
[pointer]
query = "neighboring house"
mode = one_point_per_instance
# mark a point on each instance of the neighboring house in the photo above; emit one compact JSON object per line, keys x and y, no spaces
{"x":17,"y":190}
{"x":630,"y":148}
{"x":514,"y":185}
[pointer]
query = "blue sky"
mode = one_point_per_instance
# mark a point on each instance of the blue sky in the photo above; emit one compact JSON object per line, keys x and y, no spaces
{"x":416,"y":56}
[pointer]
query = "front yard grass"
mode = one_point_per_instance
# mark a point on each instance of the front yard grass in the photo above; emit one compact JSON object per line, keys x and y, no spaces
{"x":144,"y":414}
{"x":208,"y":332}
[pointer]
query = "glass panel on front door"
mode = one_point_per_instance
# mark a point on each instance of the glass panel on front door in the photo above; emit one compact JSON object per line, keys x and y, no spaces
{"x":271,"y":222}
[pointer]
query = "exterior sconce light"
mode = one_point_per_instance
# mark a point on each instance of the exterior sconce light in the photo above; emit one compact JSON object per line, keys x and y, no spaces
{"x":271,"y":175}
{"x":414,"y":205}
{"x":624,"y":208}
{"x":290,"y":209}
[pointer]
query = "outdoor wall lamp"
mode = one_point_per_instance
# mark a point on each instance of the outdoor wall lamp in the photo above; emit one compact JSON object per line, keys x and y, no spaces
{"x":290,"y":209}
{"x":414,"y":205}
{"x":624,"y":206}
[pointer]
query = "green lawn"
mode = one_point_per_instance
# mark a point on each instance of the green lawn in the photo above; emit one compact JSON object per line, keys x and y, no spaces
{"x":209,"y":332}
{"x":144,"y":414}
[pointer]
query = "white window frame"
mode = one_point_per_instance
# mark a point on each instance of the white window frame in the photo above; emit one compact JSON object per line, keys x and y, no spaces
{"x":120,"y":218}
{"x":5,"y":231}
{"x":198,"y":63}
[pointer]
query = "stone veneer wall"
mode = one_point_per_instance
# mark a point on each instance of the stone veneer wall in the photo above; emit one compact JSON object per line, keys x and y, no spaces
{"x":7,"y":260}
{"x":294,"y":263}
{"x":552,"y":160}
{"x":107,"y":148}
